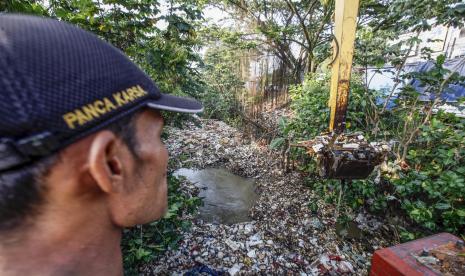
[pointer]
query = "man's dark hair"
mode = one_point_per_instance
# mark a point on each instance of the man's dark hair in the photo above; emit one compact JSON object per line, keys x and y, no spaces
{"x":22,"y":189}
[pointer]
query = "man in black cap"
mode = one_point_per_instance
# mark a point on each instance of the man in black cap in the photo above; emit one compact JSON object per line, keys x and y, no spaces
{"x":80,"y":149}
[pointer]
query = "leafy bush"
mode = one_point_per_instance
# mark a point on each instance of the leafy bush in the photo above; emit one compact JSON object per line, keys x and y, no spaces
{"x":433,"y":190}
{"x":143,"y":243}
{"x":311,"y":112}
{"x":310,"y":106}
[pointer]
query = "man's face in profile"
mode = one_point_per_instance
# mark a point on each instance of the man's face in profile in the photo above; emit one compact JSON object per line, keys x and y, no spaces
{"x":132,"y":178}
{"x":147,"y":194}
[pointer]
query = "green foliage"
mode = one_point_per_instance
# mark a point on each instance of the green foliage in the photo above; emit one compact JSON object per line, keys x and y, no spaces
{"x":373,"y":48}
{"x":143,"y":243}
{"x":295,"y":31}
{"x":277,"y":142}
{"x":310,"y":102}
{"x":223,"y":84}
{"x":23,"y":6}
{"x":231,"y":37}
{"x":412,"y":15}
{"x":432,"y":192}
{"x":411,"y":114}
{"x":311,"y":112}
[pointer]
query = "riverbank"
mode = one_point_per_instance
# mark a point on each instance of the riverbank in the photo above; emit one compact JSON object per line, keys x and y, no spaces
{"x":286,"y":233}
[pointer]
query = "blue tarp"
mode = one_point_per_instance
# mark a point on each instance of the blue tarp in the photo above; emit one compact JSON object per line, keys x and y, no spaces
{"x":451,"y":93}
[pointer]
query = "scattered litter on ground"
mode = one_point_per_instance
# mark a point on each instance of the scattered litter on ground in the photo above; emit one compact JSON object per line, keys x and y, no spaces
{"x":284,"y":235}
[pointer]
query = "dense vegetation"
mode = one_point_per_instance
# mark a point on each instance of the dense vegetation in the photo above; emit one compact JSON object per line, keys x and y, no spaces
{"x":425,"y":175}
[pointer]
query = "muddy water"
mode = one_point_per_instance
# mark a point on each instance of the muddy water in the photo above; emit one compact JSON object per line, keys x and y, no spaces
{"x":227,"y":197}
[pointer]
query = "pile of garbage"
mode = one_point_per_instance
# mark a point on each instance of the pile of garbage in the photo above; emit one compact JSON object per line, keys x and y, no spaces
{"x":285,"y":234}
{"x":344,"y":142}
{"x":345,"y":156}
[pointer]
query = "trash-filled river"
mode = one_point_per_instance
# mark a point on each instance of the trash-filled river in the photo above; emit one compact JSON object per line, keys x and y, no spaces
{"x":227,"y":197}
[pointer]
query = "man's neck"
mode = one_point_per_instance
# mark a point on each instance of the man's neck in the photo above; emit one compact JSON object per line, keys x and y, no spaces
{"x":81,"y":248}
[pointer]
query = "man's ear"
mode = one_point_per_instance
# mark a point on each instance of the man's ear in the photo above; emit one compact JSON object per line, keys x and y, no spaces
{"x":105,"y":161}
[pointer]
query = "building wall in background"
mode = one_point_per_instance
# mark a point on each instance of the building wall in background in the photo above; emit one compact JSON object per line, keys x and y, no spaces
{"x":441,"y":40}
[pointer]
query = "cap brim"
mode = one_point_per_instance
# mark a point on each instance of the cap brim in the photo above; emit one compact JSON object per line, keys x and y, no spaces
{"x":176,"y":104}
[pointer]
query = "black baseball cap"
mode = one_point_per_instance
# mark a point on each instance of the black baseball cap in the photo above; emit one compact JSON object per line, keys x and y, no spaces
{"x":59,"y":83}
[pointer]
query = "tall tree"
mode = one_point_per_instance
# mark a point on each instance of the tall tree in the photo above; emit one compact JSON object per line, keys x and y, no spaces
{"x":292,"y":30}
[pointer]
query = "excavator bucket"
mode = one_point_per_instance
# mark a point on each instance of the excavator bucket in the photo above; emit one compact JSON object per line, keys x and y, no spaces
{"x":345,"y":156}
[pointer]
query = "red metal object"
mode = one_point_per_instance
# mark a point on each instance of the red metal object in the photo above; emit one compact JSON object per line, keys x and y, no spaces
{"x":398,"y":260}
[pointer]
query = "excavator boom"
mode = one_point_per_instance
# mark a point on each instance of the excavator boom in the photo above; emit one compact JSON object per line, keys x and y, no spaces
{"x":345,"y":21}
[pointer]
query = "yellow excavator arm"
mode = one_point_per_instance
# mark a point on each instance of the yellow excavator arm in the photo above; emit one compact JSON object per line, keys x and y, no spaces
{"x":345,"y":21}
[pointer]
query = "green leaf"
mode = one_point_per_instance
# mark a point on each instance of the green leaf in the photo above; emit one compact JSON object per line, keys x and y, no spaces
{"x":282,"y":123}
{"x":461,"y":212}
{"x":62,"y":13}
{"x":440,"y":60}
{"x":415,"y":212}
{"x":277,"y":142}
{"x":442,"y":206}
{"x":141,"y":253}
{"x":172,"y":211}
